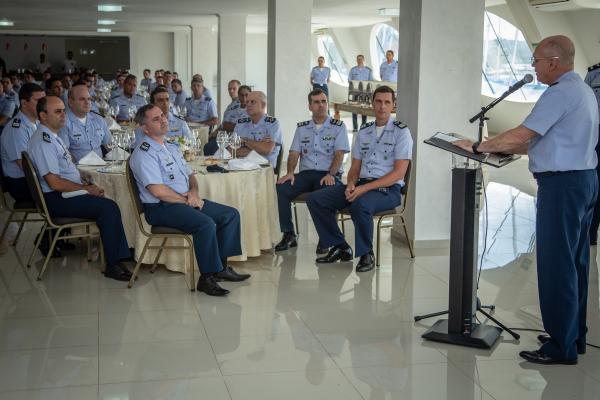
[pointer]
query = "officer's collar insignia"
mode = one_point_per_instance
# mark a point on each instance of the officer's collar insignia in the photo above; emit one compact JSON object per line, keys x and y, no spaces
{"x":303,"y":123}
{"x":270,"y":119}
{"x":399,"y":124}
{"x":335,"y":122}
{"x":593,"y":67}
{"x":243,"y":120}
{"x":46,"y":137}
{"x":145,"y":146}
{"x":16,"y":123}
{"x":367,"y":124}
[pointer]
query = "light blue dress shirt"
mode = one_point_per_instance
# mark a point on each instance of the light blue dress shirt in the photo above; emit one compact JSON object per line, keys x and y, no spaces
{"x":50,"y":155}
{"x":320,"y":75}
{"x":389,"y":72}
{"x":360,"y":74}
{"x":153,"y":163}
{"x":317,"y":147}
{"x":13,"y":142}
{"x":201,"y":109}
{"x":177,"y":127}
{"x":566,"y":120}
{"x":266,"y":127}
{"x":378,"y":155}
{"x":593,"y":80}
{"x":7,"y":106}
{"x":125,"y":103}
{"x":80,"y":139}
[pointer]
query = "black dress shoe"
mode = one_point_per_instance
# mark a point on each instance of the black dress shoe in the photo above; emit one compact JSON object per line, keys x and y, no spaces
{"x":124,"y":269}
{"x":117,"y":273}
{"x":336,"y":254}
{"x":208,"y":285}
{"x":229,"y":274}
{"x":287,"y":241}
{"x":366,"y":263}
{"x":545,"y":338}
{"x":538,"y":357}
{"x":322,"y":250}
{"x":593,"y":241}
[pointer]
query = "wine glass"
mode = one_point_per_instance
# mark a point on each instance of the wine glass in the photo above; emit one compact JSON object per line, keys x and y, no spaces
{"x":235,"y":141}
{"x":197,"y":141}
{"x":183,"y":111}
{"x":222,"y":141}
{"x":131,"y":113}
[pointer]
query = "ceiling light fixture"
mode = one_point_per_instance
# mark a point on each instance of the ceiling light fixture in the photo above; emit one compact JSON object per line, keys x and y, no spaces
{"x":6,"y":23}
{"x":109,"y":8}
{"x":389,"y":12}
{"x":106,"y":22}
{"x":104,"y":30}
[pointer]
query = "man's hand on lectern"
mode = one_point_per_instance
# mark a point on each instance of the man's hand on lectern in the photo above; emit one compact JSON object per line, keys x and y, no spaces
{"x":466,"y":145}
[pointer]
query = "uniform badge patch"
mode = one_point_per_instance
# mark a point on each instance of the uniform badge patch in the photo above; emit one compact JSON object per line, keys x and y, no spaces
{"x":366,"y":125}
{"x":145,"y":146}
{"x":270,"y":119}
{"x":46,"y":137}
{"x":399,"y":124}
{"x":16,"y":123}
{"x":336,"y":122}
{"x":171,"y":176}
{"x":244,"y":120}
{"x":303,"y":123}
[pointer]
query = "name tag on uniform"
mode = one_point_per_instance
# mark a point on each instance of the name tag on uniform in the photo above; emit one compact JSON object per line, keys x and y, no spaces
{"x":172,"y":177}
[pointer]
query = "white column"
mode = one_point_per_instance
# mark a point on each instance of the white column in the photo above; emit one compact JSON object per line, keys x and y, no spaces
{"x":439,"y":87}
{"x":232,"y":54}
{"x":288,"y":68}
{"x":182,"y":55}
{"x":204,"y":56}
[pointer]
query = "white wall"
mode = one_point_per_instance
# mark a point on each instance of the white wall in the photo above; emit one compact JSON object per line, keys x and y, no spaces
{"x":152,"y":50}
{"x":182,"y":56}
{"x":16,"y":56}
{"x":256,"y":61}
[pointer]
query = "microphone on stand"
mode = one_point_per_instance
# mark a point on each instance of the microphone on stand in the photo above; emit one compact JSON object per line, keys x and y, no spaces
{"x":518,"y":85}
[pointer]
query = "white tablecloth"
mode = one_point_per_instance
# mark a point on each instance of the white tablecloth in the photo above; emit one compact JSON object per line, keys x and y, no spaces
{"x":252,"y":193}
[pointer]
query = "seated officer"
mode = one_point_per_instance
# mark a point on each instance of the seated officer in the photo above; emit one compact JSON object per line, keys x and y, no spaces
{"x":7,"y":108}
{"x":84,"y":130}
{"x":128,"y":99}
{"x":14,"y":138}
{"x":320,"y":143}
{"x":147,"y":81}
{"x":201,"y":108}
{"x":380,"y":157}
{"x":169,"y":192}
{"x":230,"y":118}
{"x":259,"y":131}
{"x":180,"y":93}
{"x":58,"y":174}
{"x":232,"y":88}
{"x":177,"y":125}
{"x":9,"y":91}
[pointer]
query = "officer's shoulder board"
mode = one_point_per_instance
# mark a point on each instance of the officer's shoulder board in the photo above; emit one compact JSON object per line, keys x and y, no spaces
{"x":16,"y":122}
{"x":336,"y":122}
{"x":593,"y":67}
{"x":244,"y":120}
{"x":145,"y":146}
{"x":139,"y":95}
{"x":270,"y":119}
{"x":188,"y":98}
{"x":97,"y":113}
{"x":552,"y":84}
{"x":399,"y":124}
{"x":46,"y":137}
{"x":366,"y":125}
{"x":207,"y":98}
{"x":115,"y":96}
{"x":179,"y":116}
{"x":303,"y":123}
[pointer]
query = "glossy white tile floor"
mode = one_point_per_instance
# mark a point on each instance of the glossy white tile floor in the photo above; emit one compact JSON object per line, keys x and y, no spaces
{"x":294,"y":331}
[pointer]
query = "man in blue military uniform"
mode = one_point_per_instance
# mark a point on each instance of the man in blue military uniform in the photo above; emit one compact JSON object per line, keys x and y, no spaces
{"x":9,"y":91}
{"x":127,"y":100}
{"x":84,"y":131}
{"x":169,"y":192}
{"x":593,"y":80}
{"x":380,"y":156}
{"x":260,"y":132}
{"x":320,"y":145}
{"x":58,"y":175}
{"x":559,"y":135}
{"x":229,"y":115}
{"x":388,"y":71}
{"x":234,"y":112}
{"x":180,"y":93}
{"x":7,"y":108}
{"x":177,"y":127}
{"x":14,"y":139}
{"x":201,"y":108}
{"x":360,"y":72}
{"x":320,"y":75}
{"x":147,"y":80}
{"x":119,"y":82}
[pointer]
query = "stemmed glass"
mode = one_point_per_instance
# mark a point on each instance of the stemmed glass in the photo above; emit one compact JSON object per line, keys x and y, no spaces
{"x":131,"y":113}
{"x":196,"y":141}
{"x":235,"y":141}
{"x":222,"y":142}
{"x":183,"y":111}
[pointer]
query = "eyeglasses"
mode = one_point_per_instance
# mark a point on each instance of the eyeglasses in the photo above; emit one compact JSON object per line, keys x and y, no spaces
{"x":535,"y":60}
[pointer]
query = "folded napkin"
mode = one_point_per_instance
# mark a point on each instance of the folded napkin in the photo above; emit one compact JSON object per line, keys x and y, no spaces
{"x":112,"y":124}
{"x":91,"y":158}
{"x":226,"y":154}
{"x":240,"y":164}
{"x":256,"y":158}
{"x":117,"y":154}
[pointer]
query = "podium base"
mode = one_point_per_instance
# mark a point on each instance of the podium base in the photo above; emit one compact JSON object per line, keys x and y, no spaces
{"x":483,"y":336}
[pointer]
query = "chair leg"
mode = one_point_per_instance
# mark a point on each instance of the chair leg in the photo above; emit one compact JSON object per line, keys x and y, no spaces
{"x":296,"y":218}
{"x":192,"y":267}
{"x":378,"y":253}
{"x":102,"y":259}
{"x":410,"y":247}
{"x":21,"y":224}
{"x":50,"y":251}
{"x":37,"y":244}
{"x":162,"y":245}
{"x":89,"y":243}
{"x":8,"y":221}
{"x":343,"y":225}
{"x":138,"y":264}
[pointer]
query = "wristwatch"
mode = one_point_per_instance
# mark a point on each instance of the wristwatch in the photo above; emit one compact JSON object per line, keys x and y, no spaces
{"x":475,"y":147}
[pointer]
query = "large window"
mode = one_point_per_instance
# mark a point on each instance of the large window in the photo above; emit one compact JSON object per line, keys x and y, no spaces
{"x":333,"y":59}
{"x":383,"y":38}
{"x":506,"y":59}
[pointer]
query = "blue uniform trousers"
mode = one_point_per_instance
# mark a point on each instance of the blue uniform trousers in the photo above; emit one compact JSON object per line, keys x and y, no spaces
{"x":324,"y":204}
{"x":323,"y":87}
{"x":215,"y":229}
{"x":596,"y":217}
{"x":18,"y":189}
{"x":306,"y":181}
{"x":355,"y":121}
{"x":107,"y":215}
{"x":564,"y":212}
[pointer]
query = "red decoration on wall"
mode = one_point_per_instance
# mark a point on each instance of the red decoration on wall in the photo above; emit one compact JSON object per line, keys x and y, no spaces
{"x":7,"y":46}
{"x":44,"y":46}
